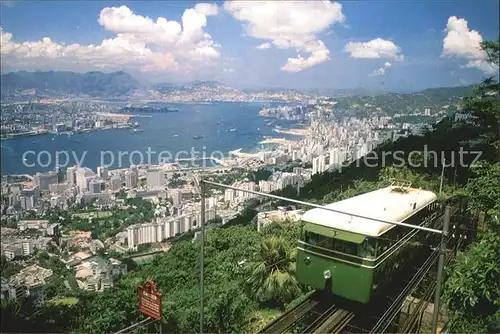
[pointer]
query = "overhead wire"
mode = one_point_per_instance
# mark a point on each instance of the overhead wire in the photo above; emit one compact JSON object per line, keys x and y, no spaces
{"x":141,"y":323}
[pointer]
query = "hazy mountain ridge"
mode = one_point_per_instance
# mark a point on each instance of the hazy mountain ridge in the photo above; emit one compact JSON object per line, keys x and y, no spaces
{"x":348,"y":92}
{"x":395,"y":103}
{"x":98,"y":84}
{"x":54,"y":83}
{"x":193,"y":86}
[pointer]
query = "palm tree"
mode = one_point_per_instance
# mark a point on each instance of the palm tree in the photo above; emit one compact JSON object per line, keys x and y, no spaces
{"x":272,"y":273}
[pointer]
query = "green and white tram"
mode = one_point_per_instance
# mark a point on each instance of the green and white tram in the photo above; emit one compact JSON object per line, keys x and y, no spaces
{"x":353,"y":257}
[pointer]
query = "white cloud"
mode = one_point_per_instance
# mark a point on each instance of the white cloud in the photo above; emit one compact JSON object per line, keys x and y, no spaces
{"x":461,"y":42}
{"x":289,"y":25}
{"x":376,"y":48}
{"x":140,"y":43}
{"x":208,"y":9}
{"x":264,"y":46}
{"x":381,"y":71}
{"x":319,"y":53}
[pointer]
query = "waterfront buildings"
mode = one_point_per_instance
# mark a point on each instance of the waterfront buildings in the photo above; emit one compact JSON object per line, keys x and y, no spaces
{"x":131,"y":177}
{"x":43,"y":180}
{"x":155,"y":178}
{"x":95,"y":186}
{"x":115,"y":183}
{"x":102,"y":172}
{"x":83,"y":176}
{"x":71,"y":175}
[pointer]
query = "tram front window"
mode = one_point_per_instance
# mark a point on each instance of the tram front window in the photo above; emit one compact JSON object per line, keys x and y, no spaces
{"x":331,"y":243}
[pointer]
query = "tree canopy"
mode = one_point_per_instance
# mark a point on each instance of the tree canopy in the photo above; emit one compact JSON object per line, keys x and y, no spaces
{"x":472,"y":288}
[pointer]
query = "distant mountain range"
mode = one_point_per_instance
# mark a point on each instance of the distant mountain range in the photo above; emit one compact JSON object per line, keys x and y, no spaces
{"x":395,"y":103}
{"x":69,"y":83}
{"x":348,"y":92}
{"x":193,"y":87}
{"x":121,"y":84}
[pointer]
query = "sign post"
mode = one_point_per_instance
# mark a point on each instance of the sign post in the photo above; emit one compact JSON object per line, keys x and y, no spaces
{"x":150,"y":300}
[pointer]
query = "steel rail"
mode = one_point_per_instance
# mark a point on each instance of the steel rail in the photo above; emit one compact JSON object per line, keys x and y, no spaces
{"x":391,"y":312}
{"x":343,"y":323}
{"x":313,"y":327}
{"x":335,"y":322}
{"x":409,"y":324}
{"x":402,"y":293}
{"x":411,"y":321}
{"x":323,"y":207}
{"x":290,"y":317}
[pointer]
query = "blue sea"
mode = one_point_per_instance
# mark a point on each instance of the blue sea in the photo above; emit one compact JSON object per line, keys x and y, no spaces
{"x":162,"y":132}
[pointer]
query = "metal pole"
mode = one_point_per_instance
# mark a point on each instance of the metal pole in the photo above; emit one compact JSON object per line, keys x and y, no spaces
{"x":442,"y":177}
{"x":439,"y":281}
{"x":202,"y":253}
{"x":415,"y":227}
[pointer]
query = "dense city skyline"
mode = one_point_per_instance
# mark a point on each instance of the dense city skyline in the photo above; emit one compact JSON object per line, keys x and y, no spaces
{"x":312,"y":45}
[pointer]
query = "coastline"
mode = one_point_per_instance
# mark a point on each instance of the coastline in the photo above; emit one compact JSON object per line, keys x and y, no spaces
{"x":42,"y":133}
{"x":279,"y":141}
{"x":157,"y":135}
{"x":295,"y":132}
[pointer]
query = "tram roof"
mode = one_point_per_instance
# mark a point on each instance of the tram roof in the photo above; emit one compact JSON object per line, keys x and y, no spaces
{"x":386,"y":204}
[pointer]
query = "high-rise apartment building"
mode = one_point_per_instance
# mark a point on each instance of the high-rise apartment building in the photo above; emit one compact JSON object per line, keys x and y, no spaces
{"x":44,"y":179}
{"x":102,"y":172}
{"x":155,"y":178}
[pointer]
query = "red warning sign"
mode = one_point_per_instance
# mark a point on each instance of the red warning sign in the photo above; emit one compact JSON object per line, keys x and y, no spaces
{"x":150,"y":300}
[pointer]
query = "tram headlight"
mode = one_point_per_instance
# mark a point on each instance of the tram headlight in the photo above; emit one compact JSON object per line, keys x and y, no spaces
{"x":327,"y":274}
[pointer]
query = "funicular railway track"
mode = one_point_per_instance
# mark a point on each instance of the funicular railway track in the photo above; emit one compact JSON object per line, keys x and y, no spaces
{"x":317,"y":314}
{"x":320,"y":314}
{"x":294,"y":315}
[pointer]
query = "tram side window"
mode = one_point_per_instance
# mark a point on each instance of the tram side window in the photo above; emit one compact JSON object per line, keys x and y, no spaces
{"x":389,"y":238}
{"x":368,"y":248}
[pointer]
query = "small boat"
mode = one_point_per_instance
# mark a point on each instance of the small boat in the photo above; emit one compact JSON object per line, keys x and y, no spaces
{"x":175,"y":136}
{"x":197,"y":137}
{"x":232,"y":130}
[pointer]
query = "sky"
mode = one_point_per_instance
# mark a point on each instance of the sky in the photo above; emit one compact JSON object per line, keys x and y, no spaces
{"x":379,"y":44}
